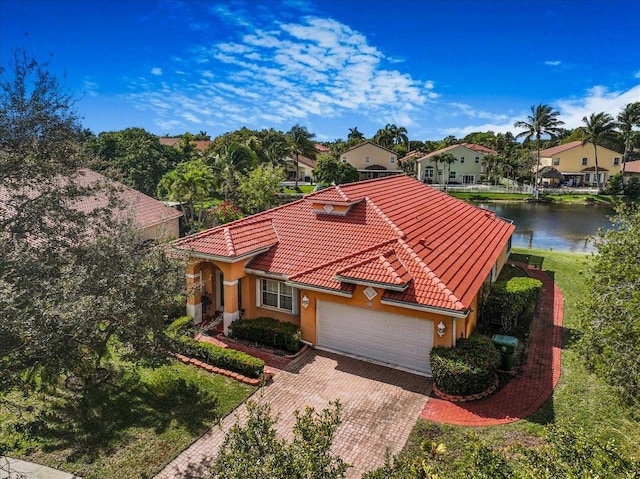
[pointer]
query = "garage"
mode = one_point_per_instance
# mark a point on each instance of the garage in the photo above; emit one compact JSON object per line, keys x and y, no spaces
{"x":400,"y":341}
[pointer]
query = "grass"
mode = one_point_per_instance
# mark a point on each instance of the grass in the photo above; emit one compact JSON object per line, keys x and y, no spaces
{"x":566,"y":199}
{"x":580,"y":398}
{"x":302,"y":189}
{"x":130,"y":427}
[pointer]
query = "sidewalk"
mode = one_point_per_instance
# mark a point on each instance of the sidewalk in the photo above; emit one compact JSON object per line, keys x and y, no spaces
{"x":29,"y":470}
{"x":533,"y":385}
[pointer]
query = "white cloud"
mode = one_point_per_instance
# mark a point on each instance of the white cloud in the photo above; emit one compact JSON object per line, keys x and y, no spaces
{"x":156,"y":71}
{"x":90,"y":88}
{"x":553,"y":63}
{"x":637,"y":75}
{"x":285,"y":71}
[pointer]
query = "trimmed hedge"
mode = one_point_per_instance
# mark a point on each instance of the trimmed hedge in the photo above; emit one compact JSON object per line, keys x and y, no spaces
{"x":512,"y":302}
{"x":229,"y":359}
{"x":468,"y":368}
{"x":268,"y":331}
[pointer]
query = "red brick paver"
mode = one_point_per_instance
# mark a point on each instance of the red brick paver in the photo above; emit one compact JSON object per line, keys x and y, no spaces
{"x":533,"y":385}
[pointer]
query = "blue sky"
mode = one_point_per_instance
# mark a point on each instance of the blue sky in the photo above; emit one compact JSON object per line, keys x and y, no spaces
{"x":436,"y":67}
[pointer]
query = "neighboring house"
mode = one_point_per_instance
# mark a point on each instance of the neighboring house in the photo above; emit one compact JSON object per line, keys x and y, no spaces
{"x":155,"y":220}
{"x":469,"y":167}
{"x":577,"y":163}
{"x":382,"y":269}
{"x":372,"y":160}
{"x":174,"y":141}
{"x":302,"y":169}
{"x":631,"y":168}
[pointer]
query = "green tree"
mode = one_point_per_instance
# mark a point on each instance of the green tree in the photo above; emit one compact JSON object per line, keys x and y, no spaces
{"x":301,"y":143}
{"x":598,"y":127}
{"x":71,"y":281}
{"x":385,"y":136}
{"x":259,"y":187}
{"x":190,"y":184}
{"x":447,"y":159}
{"x":542,"y":121}
{"x":355,"y":136}
{"x":330,"y":170}
{"x":628,"y":119}
{"x":253,"y":450}
{"x":134,"y":157}
{"x":611,"y":313}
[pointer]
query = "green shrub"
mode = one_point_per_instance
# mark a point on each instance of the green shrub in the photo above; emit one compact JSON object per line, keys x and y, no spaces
{"x":268,"y":331}
{"x":468,"y":368}
{"x":511,"y":303}
{"x":209,"y":353}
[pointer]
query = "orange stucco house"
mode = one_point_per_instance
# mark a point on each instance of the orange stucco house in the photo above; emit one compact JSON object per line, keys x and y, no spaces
{"x":382,"y":269}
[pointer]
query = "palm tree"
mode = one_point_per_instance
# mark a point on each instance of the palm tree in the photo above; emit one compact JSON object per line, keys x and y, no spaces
{"x":301,"y":143}
{"x":598,"y":127}
{"x":542,"y":121}
{"x":400,"y":136}
{"x":628,"y":119}
{"x":436,"y":159}
{"x":385,"y":136}
{"x":355,"y":134}
{"x":447,"y":160}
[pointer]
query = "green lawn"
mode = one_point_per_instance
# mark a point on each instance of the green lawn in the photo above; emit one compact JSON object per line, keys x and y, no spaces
{"x":568,"y":198}
{"x":304,"y":189}
{"x":580,"y":399}
{"x":129,"y":428}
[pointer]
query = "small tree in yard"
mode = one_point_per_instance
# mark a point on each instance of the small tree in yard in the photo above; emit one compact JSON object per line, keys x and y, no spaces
{"x":611,"y":313}
{"x":259,"y":187}
{"x":254,"y":451}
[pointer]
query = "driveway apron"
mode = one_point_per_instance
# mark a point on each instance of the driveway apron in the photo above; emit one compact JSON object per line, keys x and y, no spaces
{"x":380,"y":406}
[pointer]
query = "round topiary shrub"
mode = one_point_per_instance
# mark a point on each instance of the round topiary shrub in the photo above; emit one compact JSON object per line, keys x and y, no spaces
{"x":468,"y":368}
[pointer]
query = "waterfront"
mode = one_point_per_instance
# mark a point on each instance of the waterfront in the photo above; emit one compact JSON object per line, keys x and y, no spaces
{"x":551,"y":226}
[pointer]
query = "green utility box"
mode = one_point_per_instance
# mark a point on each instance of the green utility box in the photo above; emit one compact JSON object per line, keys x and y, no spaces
{"x":507,"y":346}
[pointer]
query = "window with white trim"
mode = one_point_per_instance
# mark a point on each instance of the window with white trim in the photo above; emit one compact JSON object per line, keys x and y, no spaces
{"x":452,"y":175}
{"x":584,"y":161}
{"x":462,"y":159}
{"x":556,"y":161}
{"x":392,"y":159}
{"x":616,"y":161}
{"x":277,"y":295}
{"x":367,"y":159}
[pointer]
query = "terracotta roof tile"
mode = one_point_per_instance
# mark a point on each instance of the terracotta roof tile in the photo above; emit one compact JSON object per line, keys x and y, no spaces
{"x":549,"y":152}
{"x":399,"y":231}
{"x":632,"y":166}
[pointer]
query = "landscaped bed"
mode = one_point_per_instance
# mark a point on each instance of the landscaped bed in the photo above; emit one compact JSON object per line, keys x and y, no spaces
{"x":580,"y":398}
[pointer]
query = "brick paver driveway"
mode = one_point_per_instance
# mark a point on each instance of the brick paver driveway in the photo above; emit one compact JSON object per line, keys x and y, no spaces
{"x":379,"y":408}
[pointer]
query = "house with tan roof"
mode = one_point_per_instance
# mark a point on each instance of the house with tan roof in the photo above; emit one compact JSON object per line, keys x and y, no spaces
{"x":469,"y":167}
{"x":631,"y":168}
{"x":362,"y":270}
{"x":372,"y":160}
{"x":577,"y":163}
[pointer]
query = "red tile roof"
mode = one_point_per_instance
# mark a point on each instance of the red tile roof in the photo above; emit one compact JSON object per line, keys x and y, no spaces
{"x":146,"y":211}
{"x":469,"y":146}
{"x":554,"y":150}
{"x":398,"y":232}
{"x":632,"y":166}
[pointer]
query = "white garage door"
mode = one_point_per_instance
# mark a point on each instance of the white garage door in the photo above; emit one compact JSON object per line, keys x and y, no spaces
{"x":393,"y":339}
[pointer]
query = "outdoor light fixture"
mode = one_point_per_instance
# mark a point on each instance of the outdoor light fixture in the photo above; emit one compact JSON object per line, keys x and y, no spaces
{"x":305,"y":301}
{"x":441,"y":328}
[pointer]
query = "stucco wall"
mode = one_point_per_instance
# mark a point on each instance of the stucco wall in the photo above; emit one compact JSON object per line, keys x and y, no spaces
{"x":376,"y":154}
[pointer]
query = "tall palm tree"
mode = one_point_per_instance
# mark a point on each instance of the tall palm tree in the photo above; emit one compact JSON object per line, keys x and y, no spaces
{"x":400,"y":136}
{"x":301,"y":143}
{"x":598,"y":127}
{"x":447,"y":160}
{"x":436,"y":159}
{"x":628,"y":119}
{"x":385,"y":136}
{"x":542,"y":121}
{"x":355,"y":134}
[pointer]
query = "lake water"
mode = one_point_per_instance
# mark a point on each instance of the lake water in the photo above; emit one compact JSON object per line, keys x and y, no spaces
{"x":551,"y":226}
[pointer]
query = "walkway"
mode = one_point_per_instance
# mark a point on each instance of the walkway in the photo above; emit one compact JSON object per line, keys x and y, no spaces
{"x":533,"y":385}
{"x":29,"y":470}
{"x":379,"y":409}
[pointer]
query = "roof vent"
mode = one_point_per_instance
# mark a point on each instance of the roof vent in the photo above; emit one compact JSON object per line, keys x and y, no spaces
{"x":328,"y":208}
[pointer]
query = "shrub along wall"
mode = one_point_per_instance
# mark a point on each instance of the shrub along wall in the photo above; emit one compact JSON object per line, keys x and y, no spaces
{"x":511,"y":303}
{"x":179,"y":332}
{"x":268,"y":331}
{"x":468,"y":368}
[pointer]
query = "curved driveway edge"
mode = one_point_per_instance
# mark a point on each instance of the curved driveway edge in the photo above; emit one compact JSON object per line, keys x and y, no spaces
{"x":380,"y":406}
{"x":533,"y":385}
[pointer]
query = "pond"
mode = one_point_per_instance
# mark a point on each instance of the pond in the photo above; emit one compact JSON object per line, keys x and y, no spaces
{"x":550,"y":226}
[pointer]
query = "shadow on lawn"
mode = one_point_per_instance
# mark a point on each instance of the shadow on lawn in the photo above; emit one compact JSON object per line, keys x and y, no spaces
{"x":102,"y":419}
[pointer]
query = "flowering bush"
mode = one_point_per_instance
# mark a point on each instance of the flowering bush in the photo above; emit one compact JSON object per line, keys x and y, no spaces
{"x":225,"y":212}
